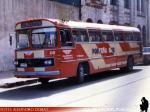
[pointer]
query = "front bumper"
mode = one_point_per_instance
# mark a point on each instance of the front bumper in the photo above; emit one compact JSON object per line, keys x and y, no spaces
{"x":38,"y":73}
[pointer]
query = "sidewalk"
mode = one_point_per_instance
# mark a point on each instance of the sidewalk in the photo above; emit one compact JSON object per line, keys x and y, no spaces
{"x":5,"y":75}
{"x":7,"y":80}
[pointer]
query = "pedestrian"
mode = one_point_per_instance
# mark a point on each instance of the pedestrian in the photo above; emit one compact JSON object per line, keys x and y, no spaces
{"x":144,"y":105}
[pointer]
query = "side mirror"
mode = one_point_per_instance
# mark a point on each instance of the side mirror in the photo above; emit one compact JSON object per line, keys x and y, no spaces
{"x":11,"y":36}
{"x":10,"y":39}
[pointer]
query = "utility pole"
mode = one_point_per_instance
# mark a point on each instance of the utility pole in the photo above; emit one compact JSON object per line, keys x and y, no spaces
{"x":80,"y":10}
{"x":148,"y":22}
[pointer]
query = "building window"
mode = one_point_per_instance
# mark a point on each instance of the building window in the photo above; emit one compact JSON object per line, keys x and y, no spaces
{"x":113,"y":23}
{"x":139,"y":27}
{"x":89,"y":20}
{"x":138,"y":5}
{"x":113,"y":2}
{"x":142,"y":5}
{"x":127,"y":24}
{"x":100,"y":21}
{"x":127,"y":4}
{"x":144,"y":35}
{"x":69,"y":2}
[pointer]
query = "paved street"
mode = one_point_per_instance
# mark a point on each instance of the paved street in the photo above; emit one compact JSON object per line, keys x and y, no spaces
{"x":113,"y":89}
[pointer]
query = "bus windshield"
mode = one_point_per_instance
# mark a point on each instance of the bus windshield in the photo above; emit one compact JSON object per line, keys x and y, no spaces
{"x":22,"y":39}
{"x":44,"y":38}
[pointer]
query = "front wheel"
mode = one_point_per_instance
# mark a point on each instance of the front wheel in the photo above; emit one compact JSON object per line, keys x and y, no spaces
{"x":81,"y":73}
{"x":130,"y":64}
{"x":145,"y":61}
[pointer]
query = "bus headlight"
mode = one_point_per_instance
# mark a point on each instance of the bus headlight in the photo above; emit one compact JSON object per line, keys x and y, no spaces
{"x":48,"y":62}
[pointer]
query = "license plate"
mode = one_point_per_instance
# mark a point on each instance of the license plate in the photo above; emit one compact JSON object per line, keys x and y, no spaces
{"x":23,"y":65}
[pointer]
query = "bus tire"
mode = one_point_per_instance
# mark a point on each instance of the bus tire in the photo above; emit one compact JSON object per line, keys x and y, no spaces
{"x":145,"y":61}
{"x":130,"y":64}
{"x":44,"y":81}
{"x":81,"y":71}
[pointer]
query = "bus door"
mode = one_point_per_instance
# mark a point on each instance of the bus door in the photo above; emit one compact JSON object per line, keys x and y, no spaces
{"x":108,"y":49}
{"x":67,"y":45}
{"x":81,"y":39}
{"x":66,"y":53}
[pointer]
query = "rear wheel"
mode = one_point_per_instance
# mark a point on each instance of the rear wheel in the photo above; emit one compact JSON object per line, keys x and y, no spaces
{"x":130,"y":64}
{"x":44,"y":81}
{"x":145,"y":61}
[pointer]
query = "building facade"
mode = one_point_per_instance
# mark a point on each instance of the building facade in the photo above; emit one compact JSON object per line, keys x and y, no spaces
{"x":122,"y":12}
{"x":12,"y":11}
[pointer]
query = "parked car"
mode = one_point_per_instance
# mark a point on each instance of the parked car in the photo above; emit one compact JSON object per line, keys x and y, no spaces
{"x":146,"y":55}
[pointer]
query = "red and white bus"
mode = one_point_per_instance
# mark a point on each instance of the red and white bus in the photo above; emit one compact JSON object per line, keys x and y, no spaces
{"x":51,"y":48}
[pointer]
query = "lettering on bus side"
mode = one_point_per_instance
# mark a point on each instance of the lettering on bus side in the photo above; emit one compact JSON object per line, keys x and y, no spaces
{"x":102,"y":50}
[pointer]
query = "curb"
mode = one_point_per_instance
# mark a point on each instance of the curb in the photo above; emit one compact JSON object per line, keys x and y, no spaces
{"x":20,"y":83}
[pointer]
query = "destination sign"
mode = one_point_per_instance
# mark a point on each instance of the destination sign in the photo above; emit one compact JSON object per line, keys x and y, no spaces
{"x":31,"y":24}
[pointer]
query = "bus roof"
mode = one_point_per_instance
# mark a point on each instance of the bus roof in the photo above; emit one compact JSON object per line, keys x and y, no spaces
{"x":84,"y":25}
{"x":74,"y":24}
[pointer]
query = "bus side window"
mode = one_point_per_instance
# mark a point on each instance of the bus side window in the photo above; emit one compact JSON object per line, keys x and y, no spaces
{"x":131,"y":36}
{"x":128,"y":36}
{"x":84,"y":36}
{"x":99,"y":35}
{"x":107,"y":36}
{"x":66,"y":39}
{"x":76,"y":35}
{"x":94,"y":36}
{"x":118,"y":36}
{"x":137,"y":36}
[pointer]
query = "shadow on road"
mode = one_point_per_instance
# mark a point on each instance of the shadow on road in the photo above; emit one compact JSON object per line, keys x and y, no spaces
{"x":39,"y":91}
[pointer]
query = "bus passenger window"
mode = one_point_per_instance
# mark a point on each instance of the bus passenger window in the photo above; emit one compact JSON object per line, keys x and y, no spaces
{"x":76,"y":36}
{"x":80,"y":35}
{"x":118,"y":36}
{"x":94,"y":36}
{"x":84,"y":36}
{"x":137,"y":36}
{"x":66,"y":39}
{"x":107,"y":36}
{"x":128,"y":36}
